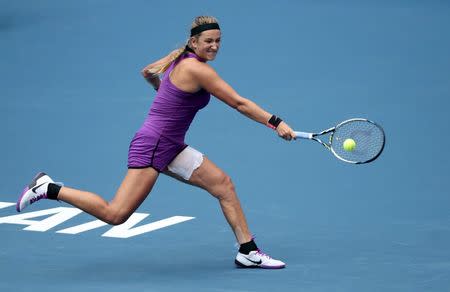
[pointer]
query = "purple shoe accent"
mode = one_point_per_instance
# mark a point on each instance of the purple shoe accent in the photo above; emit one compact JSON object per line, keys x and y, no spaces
{"x":272,"y":267}
{"x":34,"y":200}
{"x":20,"y":199}
{"x":32,"y":184}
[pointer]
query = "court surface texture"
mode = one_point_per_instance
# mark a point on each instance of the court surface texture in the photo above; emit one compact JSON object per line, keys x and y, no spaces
{"x":72,"y":98}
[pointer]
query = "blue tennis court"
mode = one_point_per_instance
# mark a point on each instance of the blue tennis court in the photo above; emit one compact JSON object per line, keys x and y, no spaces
{"x":72,"y":98}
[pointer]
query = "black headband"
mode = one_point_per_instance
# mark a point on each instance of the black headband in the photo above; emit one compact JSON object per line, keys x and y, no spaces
{"x":202,"y":27}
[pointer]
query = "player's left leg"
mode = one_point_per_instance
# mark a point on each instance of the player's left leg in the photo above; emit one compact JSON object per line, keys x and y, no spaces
{"x":193,"y":168}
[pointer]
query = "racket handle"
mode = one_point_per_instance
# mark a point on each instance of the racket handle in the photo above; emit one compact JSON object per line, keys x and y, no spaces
{"x":303,"y":135}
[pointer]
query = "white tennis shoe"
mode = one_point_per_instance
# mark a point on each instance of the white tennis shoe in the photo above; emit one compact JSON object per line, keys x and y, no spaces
{"x":35,"y":191}
{"x":257,"y":259}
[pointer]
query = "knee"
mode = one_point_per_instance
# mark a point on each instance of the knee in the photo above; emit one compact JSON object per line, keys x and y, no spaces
{"x":226,"y":189}
{"x":116,"y":217}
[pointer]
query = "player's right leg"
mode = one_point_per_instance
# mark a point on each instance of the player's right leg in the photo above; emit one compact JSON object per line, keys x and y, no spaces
{"x":135,"y":187}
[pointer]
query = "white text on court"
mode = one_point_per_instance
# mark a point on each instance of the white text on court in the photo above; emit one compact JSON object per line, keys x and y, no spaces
{"x":59,"y":215}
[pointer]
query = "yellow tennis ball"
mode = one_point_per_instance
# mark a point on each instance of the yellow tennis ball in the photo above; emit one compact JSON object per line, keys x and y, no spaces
{"x":349,"y":145}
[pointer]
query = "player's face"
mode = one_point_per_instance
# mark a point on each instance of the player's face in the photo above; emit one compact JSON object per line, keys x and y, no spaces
{"x":207,"y":44}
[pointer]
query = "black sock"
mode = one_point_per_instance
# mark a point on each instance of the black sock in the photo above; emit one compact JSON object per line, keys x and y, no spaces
{"x":53,"y":191}
{"x":247,"y":247}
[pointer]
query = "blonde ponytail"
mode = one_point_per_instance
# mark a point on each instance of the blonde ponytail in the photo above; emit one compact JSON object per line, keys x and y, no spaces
{"x":164,"y":66}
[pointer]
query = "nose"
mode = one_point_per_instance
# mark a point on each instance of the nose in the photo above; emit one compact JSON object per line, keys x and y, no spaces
{"x":215,"y":46}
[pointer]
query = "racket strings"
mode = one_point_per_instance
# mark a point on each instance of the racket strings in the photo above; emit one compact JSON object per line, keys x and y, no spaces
{"x":369,"y":139}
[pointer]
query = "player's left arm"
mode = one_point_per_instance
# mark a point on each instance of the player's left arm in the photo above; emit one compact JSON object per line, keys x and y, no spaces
{"x":208,"y":79}
{"x":148,"y":71}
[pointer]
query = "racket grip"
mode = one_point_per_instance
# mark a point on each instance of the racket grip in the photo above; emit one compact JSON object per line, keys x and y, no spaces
{"x":303,"y":135}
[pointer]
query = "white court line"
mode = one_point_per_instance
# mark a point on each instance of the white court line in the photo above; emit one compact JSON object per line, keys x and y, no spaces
{"x":5,"y":204}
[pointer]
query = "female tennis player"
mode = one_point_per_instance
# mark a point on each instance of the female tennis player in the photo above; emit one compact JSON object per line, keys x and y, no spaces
{"x":159,"y":147}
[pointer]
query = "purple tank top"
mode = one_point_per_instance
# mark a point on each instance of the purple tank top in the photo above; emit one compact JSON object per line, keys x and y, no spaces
{"x":173,"y":110}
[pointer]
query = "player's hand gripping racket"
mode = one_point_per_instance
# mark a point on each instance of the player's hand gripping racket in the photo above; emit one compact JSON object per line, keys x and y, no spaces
{"x":354,"y":141}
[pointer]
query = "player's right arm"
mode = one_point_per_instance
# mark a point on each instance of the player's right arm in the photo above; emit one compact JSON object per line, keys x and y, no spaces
{"x":209,"y":80}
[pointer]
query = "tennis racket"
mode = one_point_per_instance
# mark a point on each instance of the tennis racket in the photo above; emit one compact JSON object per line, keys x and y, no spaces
{"x":368,"y":136}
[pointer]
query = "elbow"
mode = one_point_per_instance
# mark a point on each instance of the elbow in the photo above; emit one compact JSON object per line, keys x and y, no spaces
{"x":147,"y":74}
{"x":152,"y":78}
{"x":148,"y":71}
{"x":144,"y":72}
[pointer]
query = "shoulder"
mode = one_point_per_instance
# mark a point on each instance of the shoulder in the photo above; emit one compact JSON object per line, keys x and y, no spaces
{"x":194,"y":63}
{"x":197,"y":68}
